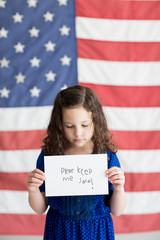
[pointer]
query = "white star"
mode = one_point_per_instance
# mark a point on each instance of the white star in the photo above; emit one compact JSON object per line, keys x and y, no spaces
{"x":2,"y":3}
{"x":34,"y":32}
{"x":64,"y":30}
{"x":62,"y":2}
{"x":50,"y":46}
{"x":50,"y":76}
{"x":4,"y":63}
{"x":20,"y":78}
{"x":35,"y":62}
{"x":17,"y":18}
{"x":4,"y":92}
{"x":65,"y":60}
{"x":3,"y":33}
{"x":19,"y":47}
{"x":32,"y":3}
{"x":35,"y":92}
{"x":64,"y":87}
{"x":48,"y":16}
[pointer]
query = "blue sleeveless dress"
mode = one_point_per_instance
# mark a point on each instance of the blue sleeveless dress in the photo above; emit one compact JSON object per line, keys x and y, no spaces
{"x":79,"y":217}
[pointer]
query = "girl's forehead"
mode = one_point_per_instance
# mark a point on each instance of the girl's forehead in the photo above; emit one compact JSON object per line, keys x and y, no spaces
{"x":76,"y":112}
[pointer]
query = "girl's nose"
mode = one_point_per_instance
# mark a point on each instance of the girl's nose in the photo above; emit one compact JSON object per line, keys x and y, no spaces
{"x":78,"y":131}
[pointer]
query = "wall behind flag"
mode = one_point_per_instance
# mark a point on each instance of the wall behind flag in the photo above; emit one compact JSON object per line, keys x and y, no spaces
{"x":112,"y":47}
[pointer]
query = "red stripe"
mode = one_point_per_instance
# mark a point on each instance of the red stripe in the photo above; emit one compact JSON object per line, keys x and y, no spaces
{"x":21,"y":224}
{"x":136,"y":223}
{"x":13,"y":181}
{"x":126,"y":96}
{"x":129,"y":140}
{"x":118,"y":9}
{"x":118,"y":51}
{"x":135,"y":182}
{"x":137,"y":140}
{"x":21,"y":140}
{"x":140,"y":182}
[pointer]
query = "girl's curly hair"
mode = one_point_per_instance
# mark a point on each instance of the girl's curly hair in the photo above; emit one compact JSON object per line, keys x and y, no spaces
{"x":55,"y":141}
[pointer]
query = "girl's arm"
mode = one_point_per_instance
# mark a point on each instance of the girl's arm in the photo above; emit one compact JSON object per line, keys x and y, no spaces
{"x":37,"y":199}
{"x":118,"y":199}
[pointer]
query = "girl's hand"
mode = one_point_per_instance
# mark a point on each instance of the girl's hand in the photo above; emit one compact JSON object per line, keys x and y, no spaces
{"x":116,"y":177}
{"x":35,"y":180}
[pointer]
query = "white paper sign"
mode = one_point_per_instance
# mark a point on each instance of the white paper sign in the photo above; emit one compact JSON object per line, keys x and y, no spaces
{"x":71,"y":175}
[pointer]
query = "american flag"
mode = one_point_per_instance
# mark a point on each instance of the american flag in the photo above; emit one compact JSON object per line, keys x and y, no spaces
{"x":111,"y":46}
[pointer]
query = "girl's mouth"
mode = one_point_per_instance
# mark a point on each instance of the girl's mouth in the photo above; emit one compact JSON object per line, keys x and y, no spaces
{"x":77,"y":140}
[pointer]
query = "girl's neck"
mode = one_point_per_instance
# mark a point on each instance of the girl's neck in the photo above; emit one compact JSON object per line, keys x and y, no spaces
{"x":79,"y":150}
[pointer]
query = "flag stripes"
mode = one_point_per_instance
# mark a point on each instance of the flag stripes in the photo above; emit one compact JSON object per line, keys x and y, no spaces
{"x":129,"y":160}
{"x":22,"y":223}
{"x":118,"y":73}
{"x":16,"y":202}
{"x":117,"y":9}
{"x":124,"y":30}
{"x":135,"y":118}
{"x":135,"y":182}
{"x":118,"y":51}
{"x":124,"y":139}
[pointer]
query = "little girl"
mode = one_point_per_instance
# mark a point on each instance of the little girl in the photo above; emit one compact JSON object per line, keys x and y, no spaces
{"x":78,"y":126}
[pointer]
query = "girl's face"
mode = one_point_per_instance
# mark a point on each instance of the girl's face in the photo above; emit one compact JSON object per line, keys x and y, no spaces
{"x":78,"y":126}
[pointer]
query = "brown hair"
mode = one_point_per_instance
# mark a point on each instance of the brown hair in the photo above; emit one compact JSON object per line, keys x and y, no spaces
{"x":55,"y":141}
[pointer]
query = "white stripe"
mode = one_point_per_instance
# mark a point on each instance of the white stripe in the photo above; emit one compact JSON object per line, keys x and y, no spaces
{"x":134,"y":161}
{"x":139,"y":161}
{"x":26,"y":118}
{"x":142,"y":202}
{"x":137,"y":202}
{"x":138,"y":236}
{"x":29,"y":237}
{"x":118,"y":73}
{"x":18,"y":161}
{"x":118,"y":118}
{"x":127,"y":236}
{"x":118,"y":30}
{"x":14,"y":202}
{"x":133,"y":118}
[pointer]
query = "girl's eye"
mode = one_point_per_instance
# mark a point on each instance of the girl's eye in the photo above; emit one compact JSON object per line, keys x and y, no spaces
{"x":85,"y":125}
{"x":69,"y":126}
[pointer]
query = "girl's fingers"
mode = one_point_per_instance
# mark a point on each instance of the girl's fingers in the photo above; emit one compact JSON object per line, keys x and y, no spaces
{"x":116,"y":176}
{"x":37,"y":174}
{"x":36,"y":177}
{"x":114,"y":172}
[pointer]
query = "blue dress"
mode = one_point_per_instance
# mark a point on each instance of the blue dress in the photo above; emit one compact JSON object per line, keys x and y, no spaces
{"x":79,"y":217}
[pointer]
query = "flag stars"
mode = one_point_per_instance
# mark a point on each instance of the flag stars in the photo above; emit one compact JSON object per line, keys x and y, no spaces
{"x":32,"y":3}
{"x":48,"y":16}
{"x":19,"y":48}
{"x":20,"y":78}
{"x":2,"y":3}
{"x":65,"y":60}
{"x":4,"y":63}
{"x":4,"y":93}
{"x":62,"y":2}
{"x":17,"y":18}
{"x":35,"y":92}
{"x":34,"y":32}
{"x":50,"y":46}
{"x":64,"y":87}
{"x":64,"y":30}
{"x":35,"y":62}
{"x":3,"y":33}
{"x":50,"y":76}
